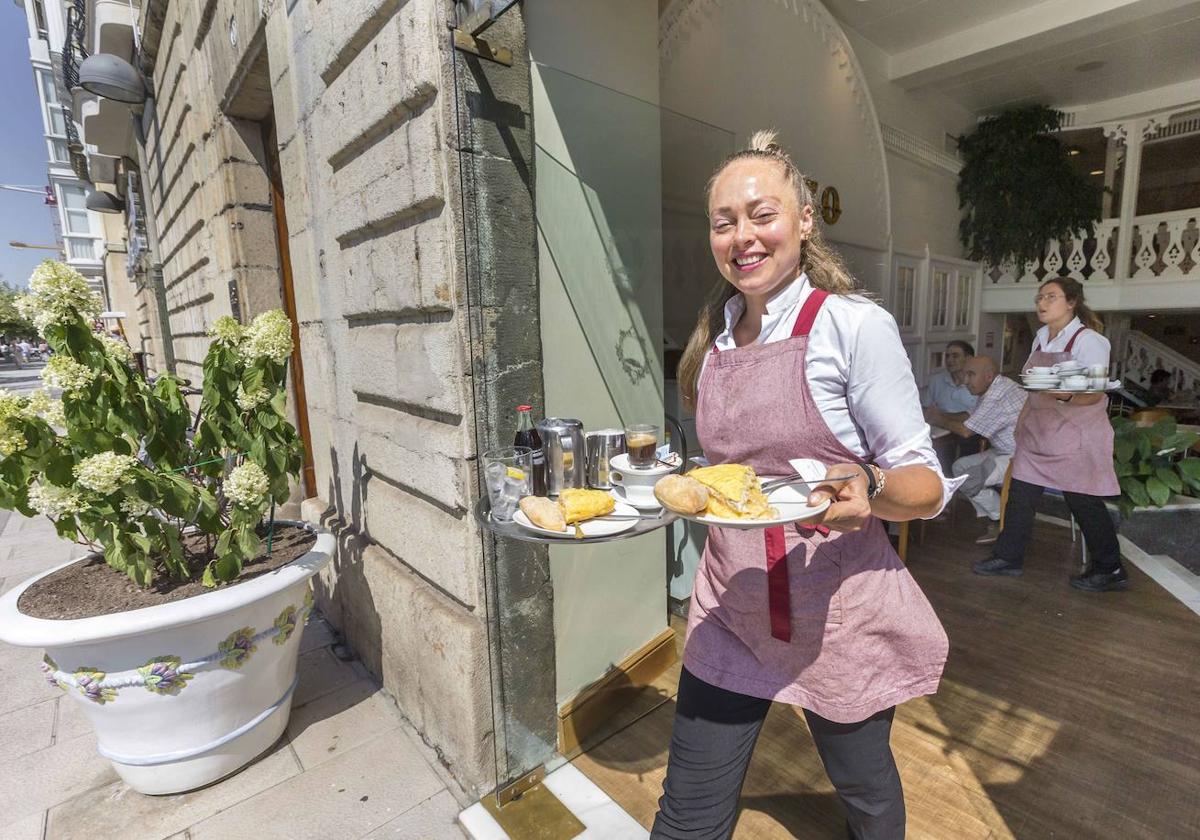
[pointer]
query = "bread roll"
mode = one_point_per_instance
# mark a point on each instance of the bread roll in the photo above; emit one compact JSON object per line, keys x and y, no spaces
{"x":544,"y":513}
{"x":681,"y":494}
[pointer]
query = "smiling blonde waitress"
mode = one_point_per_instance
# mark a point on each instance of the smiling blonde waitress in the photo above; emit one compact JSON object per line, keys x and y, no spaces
{"x":786,"y":362}
{"x":1065,"y":442}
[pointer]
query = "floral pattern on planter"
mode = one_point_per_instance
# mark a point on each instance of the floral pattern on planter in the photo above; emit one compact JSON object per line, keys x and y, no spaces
{"x":89,"y":682}
{"x":235,"y":651}
{"x":285,"y":624}
{"x":164,"y":676}
{"x":168,"y":675}
{"x":50,"y":670}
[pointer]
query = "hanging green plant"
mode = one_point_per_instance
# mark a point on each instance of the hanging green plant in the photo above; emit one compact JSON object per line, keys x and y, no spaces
{"x":1018,"y":188}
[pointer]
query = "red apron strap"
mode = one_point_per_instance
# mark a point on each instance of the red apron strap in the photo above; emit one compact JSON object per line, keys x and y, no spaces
{"x":808,"y":312}
{"x":1071,"y":343}
{"x":779,"y":597}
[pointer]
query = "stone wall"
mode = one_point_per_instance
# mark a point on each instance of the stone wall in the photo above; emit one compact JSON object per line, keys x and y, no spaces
{"x":362,"y":96}
{"x":204,"y":178}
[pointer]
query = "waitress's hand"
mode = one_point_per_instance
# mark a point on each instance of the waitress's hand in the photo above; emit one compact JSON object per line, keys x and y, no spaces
{"x":851,"y":510}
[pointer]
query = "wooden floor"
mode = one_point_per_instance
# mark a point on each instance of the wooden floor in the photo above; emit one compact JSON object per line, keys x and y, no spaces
{"x":1061,"y":715}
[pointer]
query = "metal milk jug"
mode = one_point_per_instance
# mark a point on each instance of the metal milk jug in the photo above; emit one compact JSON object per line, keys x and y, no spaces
{"x":566,"y":455}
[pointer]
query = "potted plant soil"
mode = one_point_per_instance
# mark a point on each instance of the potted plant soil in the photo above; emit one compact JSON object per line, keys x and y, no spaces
{"x":178,"y":633}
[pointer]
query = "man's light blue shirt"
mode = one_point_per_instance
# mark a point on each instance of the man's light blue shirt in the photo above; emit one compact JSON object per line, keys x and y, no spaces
{"x":946,"y":395}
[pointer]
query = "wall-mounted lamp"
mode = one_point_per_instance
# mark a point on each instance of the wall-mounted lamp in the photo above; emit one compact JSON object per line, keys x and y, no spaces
{"x":113,"y":78}
{"x":104,"y":202}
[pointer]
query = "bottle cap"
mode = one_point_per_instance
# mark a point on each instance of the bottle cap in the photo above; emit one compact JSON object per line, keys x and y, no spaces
{"x":524,"y":408}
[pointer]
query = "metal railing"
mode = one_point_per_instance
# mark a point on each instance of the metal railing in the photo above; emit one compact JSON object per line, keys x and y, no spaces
{"x":73,"y":54}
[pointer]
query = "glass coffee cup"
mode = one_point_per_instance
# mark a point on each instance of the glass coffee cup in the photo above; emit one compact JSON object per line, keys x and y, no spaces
{"x":641,"y":443}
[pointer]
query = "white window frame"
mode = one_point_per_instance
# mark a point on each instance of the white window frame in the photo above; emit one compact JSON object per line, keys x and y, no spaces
{"x":939,"y":297}
{"x":905,"y":297}
{"x":964,"y":304}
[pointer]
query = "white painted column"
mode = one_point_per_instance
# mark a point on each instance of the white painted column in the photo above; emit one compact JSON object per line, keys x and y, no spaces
{"x":1130,"y":134}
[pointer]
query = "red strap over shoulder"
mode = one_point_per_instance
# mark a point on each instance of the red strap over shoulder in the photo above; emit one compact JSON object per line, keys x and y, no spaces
{"x":808,"y":312}
{"x":1071,"y":343}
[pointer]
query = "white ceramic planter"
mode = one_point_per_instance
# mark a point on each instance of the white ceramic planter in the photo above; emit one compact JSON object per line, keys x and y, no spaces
{"x":182,"y":694}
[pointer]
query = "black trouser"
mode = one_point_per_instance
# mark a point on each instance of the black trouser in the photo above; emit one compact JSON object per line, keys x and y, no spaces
{"x":1089,"y":511}
{"x":711,"y":744}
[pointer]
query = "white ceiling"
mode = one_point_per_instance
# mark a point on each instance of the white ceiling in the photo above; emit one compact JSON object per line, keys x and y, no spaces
{"x":989,"y":54}
{"x":899,"y":25}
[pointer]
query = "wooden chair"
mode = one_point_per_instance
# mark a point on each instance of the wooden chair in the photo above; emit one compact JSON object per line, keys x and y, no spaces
{"x":1004,"y":493}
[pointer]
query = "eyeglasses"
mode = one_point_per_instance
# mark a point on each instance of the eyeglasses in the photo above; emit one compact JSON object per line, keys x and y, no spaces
{"x":1049,"y":296}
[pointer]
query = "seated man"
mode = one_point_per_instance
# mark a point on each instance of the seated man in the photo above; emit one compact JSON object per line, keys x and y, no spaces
{"x":947,"y":390}
{"x":995,"y":417}
{"x":947,"y":395}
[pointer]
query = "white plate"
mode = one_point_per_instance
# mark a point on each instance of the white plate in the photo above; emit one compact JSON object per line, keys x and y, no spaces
{"x":791,"y":502}
{"x":1041,"y":386}
{"x":618,"y":493}
{"x":591,"y":528}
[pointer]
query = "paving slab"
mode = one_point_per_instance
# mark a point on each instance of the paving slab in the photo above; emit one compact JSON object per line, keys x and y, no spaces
{"x":29,"y":828}
{"x":340,"y":721}
{"x":27,"y":730}
{"x":125,"y":813}
{"x":320,"y":673}
{"x":434,"y":819}
{"x":347,"y":797}
{"x":43,"y":779}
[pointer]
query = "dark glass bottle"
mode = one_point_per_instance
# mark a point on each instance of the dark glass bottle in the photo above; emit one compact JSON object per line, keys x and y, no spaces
{"x":527,"y":435}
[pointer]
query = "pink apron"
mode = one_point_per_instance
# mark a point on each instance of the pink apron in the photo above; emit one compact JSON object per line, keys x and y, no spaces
{"x":828,"y":621}
{"x":1067,"y":447}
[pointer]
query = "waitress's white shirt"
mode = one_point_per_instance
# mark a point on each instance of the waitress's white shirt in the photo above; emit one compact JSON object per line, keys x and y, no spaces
{"x":1091,"y":348}
{"x":858,"y":372}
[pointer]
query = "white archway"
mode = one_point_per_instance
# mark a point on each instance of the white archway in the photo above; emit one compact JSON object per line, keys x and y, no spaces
{"x":734,"y":63}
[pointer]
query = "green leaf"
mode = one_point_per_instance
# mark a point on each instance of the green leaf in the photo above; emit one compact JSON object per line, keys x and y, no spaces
{"x":1190,"y":467}
{"x":1135,"y":490}
{"x":1159,"y":492}
{"x":1170,"y":478}
{"x":1123,"y":450}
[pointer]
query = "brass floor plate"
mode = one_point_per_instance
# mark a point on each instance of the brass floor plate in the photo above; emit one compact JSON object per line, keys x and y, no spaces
{"x":537,"y":815}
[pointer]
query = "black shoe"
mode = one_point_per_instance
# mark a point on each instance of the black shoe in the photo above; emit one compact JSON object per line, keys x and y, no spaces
{"x":1094,"y":581}
{"x":996,"y":566}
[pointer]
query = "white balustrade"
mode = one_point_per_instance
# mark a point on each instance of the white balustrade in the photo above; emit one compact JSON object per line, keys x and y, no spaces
{"x":1166,"y":246}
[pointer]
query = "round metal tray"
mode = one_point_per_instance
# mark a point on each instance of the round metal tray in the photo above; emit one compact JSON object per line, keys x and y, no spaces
{"x":511,"y":530}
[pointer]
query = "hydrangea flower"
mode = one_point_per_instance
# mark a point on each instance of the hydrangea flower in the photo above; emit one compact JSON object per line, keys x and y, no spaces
{"x":247,"y":485}
{"x":235,"y":651}
{"x":54,"y":501}
{"x":162,"y":675}
{"x":55,"y":416}
{"x":58,"y":294}
{"x":117,"y":349}
{"x":104,"y":473}
{"x":269,"y":336}
{"x":13,"y":409}
{"x":135,"y":507}
{"x":227,"y":329}
{"x":66,"y":373}
{"x":41,"y":404}
{"x":252,"y":400}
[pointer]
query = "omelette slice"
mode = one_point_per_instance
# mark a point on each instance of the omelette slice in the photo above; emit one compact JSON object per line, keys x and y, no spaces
{"x":578,"y":504}
{"x":734,"y":492}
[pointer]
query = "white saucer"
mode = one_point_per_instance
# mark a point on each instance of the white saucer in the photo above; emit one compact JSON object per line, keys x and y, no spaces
{"x":620,"y":463}
{"x":618,"y":493}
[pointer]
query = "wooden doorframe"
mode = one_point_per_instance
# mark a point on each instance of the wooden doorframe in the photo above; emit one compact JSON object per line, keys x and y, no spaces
{"x":308,"y":474}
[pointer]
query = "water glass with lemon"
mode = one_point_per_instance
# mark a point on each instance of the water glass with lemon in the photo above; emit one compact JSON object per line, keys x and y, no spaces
{"x":508,"y":472}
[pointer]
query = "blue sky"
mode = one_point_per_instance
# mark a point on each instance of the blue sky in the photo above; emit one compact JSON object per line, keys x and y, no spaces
{"x":23,"y":153}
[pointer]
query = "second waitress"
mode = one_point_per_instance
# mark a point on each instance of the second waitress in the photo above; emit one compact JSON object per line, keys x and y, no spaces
{"x":787,"y":362}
